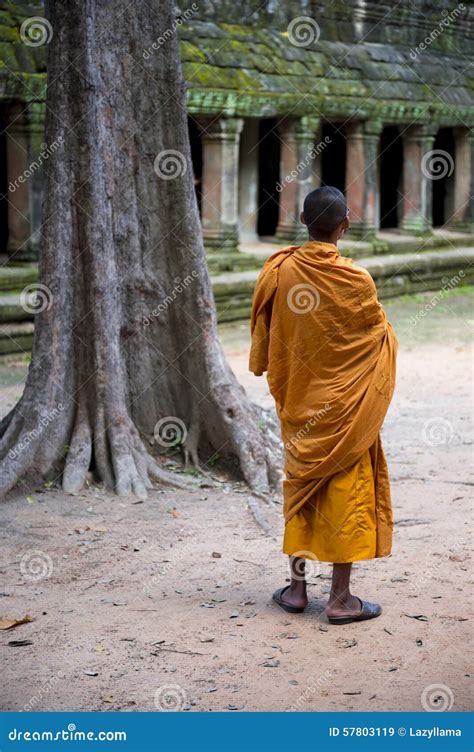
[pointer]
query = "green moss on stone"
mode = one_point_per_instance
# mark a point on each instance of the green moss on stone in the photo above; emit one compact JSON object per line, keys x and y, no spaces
{"x":9,"y":34}
{"x":6,"y":19}
{"x":7,"y":55}
{"x":190,"y":53}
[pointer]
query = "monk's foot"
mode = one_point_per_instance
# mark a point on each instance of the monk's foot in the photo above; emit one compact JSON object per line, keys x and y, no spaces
{"x":295,"y":596}
{"x":347,"y":605}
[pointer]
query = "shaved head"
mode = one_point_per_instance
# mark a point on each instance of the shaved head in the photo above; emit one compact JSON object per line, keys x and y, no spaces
{"x":324,"y":210}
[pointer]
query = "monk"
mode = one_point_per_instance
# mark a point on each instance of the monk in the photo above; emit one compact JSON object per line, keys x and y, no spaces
{"x":323,"y":338}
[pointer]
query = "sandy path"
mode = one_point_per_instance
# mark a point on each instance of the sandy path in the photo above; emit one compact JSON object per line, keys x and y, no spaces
{"x":128,"y":584}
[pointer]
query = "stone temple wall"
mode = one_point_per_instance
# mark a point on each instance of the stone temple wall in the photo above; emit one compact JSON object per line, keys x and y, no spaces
{"x":405,"y":23}
{"x":284,"y":96}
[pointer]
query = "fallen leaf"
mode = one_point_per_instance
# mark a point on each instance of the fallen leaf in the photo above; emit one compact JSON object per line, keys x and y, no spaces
{"x":207,"y":639}
{"x":323,"y":628}
{"x":420,"y":617}
{"x":419,"y":643}
{"x":354,"y":692}
{"x":387,"y":631}
{"x":19,"y":643}
{"x":91,"y":673}
{"x":343,"y":643}
{"x":271,"y":664}
{"x":216,"y":555}
{"x":235,"y":707}
{"x":10,"y":623}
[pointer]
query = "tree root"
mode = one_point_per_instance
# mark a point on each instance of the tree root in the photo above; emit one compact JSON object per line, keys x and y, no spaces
{"x":258,"y":516}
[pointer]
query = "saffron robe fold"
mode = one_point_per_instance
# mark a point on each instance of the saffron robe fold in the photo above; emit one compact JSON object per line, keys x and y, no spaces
{"x":329,"y":352}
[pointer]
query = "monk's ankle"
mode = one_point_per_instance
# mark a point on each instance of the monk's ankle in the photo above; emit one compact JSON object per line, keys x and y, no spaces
{"x":298,"y":587}
{"x":343,"y":601}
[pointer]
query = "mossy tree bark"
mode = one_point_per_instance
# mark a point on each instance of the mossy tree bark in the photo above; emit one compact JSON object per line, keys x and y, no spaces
{"x":128,"y":333}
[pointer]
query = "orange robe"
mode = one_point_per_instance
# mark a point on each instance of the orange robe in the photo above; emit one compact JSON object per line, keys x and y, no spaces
{"x":329,"y":352}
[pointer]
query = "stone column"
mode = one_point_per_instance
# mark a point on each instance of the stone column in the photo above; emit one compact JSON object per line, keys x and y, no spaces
{"x":220,"y":183}
{"x":248,"y":181}
{"x":316,"y":169}
{"x":19,"y":194}
{"x":362,"y":189}
{"x":417,"y":184}
{"x":463,"y":215}
{"x":39,"y":152}
{"x":298,"y":149}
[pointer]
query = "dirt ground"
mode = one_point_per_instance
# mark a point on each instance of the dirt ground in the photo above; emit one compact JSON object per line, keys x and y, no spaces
{"x":166,"y":604}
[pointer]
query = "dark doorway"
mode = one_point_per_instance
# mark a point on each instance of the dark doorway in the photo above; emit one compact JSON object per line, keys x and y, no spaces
{"x":442,"y":168}
{"x":3,"y":190}
{"x":196,"y":157}
{"x":268,"y":177}
{"x":333,"y":156}
{"x":391,"y":169}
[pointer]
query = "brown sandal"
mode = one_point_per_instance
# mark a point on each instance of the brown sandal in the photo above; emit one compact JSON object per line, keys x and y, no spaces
{"x":277,"y":597}
{"x":367,"y":611}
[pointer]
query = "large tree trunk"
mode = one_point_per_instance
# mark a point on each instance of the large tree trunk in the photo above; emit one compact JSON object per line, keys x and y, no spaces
{"x":128,"y":336}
